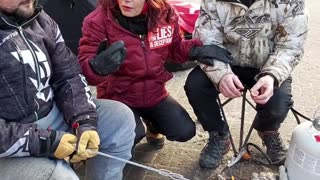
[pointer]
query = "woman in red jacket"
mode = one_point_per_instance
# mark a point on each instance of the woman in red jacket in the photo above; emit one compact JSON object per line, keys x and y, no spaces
{"x":123,"y":48}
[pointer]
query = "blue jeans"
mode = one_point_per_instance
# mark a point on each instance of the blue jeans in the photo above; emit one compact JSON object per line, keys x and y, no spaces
{"x":116,"y":126}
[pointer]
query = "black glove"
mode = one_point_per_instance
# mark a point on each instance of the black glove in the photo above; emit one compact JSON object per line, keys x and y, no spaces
{"x":108,"y":59}
{"x":206,"y":54}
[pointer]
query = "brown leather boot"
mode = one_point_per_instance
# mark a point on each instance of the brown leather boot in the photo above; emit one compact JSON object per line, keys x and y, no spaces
{"x":212,"y":154}
{"x":276,"y":150}
{"x":154,"y":138}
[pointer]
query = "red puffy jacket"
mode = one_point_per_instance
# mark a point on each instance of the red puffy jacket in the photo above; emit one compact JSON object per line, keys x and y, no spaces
{"x":140,"y":81}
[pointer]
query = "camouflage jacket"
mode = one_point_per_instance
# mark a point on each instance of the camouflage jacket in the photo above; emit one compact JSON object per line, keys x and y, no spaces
{"x":269,"y":35}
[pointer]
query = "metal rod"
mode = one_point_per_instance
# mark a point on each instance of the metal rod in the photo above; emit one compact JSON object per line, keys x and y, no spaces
{"x":244,"y":93}
{"x":225,"y":120}
{"x":226,"y":102}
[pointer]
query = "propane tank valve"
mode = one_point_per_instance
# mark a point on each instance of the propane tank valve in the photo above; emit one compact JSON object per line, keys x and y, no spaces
{"x":316,"y":123}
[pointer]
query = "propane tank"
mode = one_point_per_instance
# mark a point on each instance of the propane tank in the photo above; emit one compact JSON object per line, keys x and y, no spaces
{"x":303,"y":158}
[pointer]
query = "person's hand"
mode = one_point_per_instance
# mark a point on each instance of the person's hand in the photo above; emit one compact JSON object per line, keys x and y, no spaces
{"x":262,"y":91}
{"x":230,"y":86}
{"x":62,"y":144}
{"x":88,"y":139}
{"x":207,"y":54}
{"x":108,"y":59}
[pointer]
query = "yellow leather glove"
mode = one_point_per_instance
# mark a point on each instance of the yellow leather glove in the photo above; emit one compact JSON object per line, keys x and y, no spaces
{"x":87,"y":146}
{"x":62,"y":144}
{"x":88,"y":139}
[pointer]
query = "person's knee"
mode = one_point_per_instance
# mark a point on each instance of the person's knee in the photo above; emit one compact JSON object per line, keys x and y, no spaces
{"x":120,"y":115}
{"x":199,"y":85}
{"x":126,"y":117}
{"x":272,"y":114}
{"x":125,"y":121}
{"x":279,"y":114}
{"x":35,"y":168}
{"x":192,"y":84}
{"x":63,"y":171}
{"x":278,"y":107}
{"x":185,"y":133}
{"x":116,"y":123}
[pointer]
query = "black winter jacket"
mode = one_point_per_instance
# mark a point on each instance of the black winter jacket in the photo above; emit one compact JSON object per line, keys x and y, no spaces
{"x":36,"y":70}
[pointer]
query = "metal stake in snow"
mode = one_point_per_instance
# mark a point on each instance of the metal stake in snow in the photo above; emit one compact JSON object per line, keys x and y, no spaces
{"x":163,"y":172}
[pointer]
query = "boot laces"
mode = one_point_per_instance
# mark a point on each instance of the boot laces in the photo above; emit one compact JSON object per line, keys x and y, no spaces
{"x":273,"y":142}
{"x":216,"y":144}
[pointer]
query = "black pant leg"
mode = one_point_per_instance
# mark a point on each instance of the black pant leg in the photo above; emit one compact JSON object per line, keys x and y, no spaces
{"x":273,"y":113}
{"x":170,"y":119}
{"x":202,"y":96}
{"x":140,"y":130}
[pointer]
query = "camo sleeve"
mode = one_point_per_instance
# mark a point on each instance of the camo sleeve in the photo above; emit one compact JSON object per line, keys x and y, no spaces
{"x":289,"y":41}
{"x":208,"y":29}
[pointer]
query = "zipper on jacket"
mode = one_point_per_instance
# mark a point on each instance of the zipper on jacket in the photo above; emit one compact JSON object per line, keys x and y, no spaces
{"x":38,"y":106}
{"x":235,"y":2}
{"x":143,"y":45}
{"x":20,"y":30}
{"x":23,"y":75}
{"x":247,"y":13}
{"x":34,"y":56}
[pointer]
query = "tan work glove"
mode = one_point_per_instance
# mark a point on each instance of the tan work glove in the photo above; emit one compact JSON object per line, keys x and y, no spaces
{"x":62,"y":144}
{"x":88,"y":139}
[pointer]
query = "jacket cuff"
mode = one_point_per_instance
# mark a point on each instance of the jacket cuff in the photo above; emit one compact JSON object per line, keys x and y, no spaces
{"x":277,"y":82}
{"x":44,"y":144}
{"x":215,"y":74}
{"x":84,"y":121}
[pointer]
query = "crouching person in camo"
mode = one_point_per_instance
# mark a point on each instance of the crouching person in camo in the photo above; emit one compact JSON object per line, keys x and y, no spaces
{"x":46,"y":110}
{"x":266,"y":39}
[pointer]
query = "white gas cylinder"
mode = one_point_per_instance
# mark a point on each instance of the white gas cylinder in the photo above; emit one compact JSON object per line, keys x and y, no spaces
{"x":303,"y":158}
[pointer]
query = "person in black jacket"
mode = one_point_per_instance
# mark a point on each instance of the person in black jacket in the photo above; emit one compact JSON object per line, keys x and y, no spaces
{"x":46,"y":110}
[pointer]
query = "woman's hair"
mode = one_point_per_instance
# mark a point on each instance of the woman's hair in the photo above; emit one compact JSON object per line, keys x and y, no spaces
{"x":155,"y":10}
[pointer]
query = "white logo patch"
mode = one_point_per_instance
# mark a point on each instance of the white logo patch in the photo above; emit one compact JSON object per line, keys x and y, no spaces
{"x":45,"y":71}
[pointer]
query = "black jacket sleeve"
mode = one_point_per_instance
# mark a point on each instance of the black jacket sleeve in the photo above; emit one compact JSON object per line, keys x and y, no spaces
{"x":71,"y":91}
{"x":19,"y":140}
